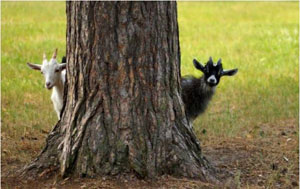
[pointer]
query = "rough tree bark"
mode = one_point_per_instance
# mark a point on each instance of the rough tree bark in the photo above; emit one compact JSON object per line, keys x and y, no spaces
{"x":123,"y":111}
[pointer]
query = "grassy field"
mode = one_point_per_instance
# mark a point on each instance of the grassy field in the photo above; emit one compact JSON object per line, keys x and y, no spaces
{"x":262,"y":42}
{"x":257,"y":105}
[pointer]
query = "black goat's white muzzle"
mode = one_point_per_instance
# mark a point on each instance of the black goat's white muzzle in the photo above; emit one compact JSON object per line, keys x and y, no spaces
{"x":212,"y":79}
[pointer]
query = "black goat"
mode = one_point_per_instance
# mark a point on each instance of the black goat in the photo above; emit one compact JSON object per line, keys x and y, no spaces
{"x":197,"y":92}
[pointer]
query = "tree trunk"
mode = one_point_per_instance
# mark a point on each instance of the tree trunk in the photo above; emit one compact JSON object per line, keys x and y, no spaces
{"x":123,"y":111}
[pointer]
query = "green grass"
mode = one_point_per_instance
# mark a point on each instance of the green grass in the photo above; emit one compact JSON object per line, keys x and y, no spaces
{"x":28,"y":29}
{"x":258,"y":38}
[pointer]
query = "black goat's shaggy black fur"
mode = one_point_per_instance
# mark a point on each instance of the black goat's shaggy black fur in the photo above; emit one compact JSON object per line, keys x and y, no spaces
{"x":196,"y":95}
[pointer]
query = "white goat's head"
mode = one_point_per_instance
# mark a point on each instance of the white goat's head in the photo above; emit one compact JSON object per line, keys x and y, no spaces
{"x":50,"y":69}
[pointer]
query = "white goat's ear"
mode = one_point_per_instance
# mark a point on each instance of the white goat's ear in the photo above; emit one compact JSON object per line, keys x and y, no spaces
{"x":34,"y":66}
{"x":62,"y":66}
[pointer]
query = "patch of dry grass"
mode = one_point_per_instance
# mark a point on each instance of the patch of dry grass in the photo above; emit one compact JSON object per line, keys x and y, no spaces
{"x":267,"y":158}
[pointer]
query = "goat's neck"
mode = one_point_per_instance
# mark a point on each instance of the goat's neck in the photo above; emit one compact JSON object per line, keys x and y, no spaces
{"x":59,"y":87}
{"x":204,"y":87}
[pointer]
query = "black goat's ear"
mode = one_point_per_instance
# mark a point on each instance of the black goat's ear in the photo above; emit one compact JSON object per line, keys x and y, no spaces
{"x":219,"y":61}
{"x":198,"y":65}
{"x":229,"y":72}
{"x":63,"y":60}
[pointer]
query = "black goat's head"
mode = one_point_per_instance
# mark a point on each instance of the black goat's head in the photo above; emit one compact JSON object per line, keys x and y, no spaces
{"x":213,"y":72}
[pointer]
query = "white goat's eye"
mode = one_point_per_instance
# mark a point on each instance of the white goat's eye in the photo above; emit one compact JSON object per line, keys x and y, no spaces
{"x":56,"y":70}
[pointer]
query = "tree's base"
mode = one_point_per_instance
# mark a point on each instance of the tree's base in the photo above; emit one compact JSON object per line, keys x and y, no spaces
{"x":220,"y":178}
{"x":120,"y":181}
{"x":196,"y":166}
{"x":47,"y":164}
{"x":38,"y":169}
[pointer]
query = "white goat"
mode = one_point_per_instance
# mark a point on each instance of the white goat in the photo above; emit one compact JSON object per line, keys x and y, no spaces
{"x":55,"y":76}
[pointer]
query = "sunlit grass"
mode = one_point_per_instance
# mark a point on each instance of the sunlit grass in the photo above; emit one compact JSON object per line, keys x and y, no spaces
{"x":261,"y":40}
{"x":258,"y":38}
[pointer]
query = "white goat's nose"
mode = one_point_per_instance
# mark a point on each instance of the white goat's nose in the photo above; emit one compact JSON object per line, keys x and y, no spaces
{"x":48,"y":84}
